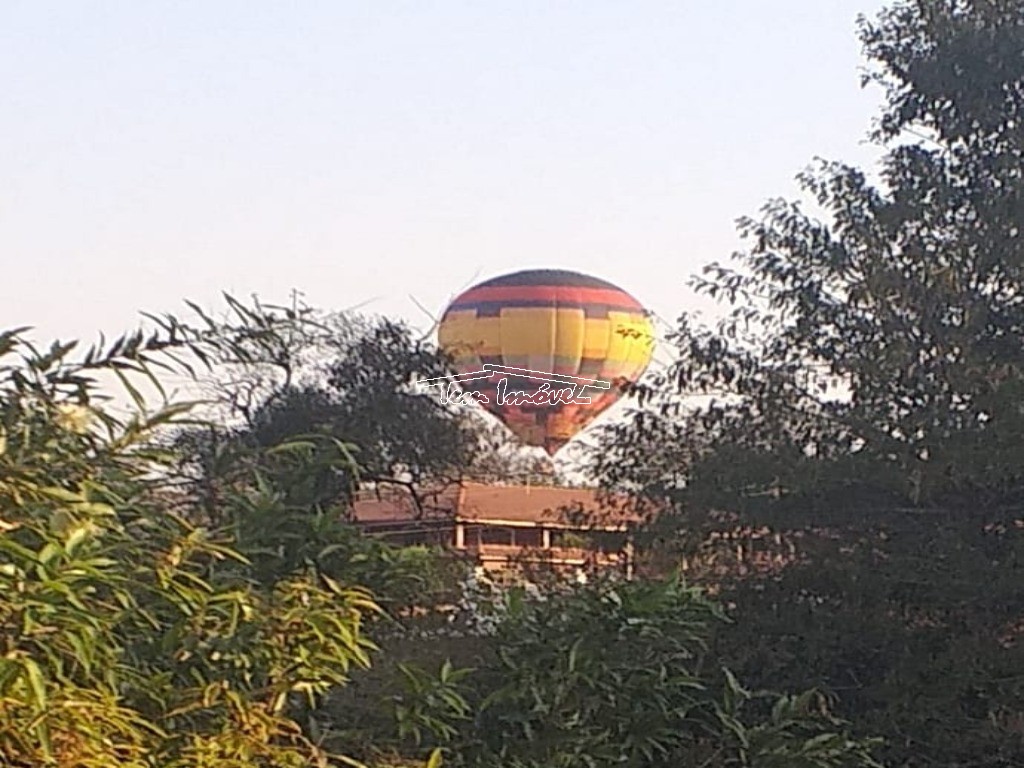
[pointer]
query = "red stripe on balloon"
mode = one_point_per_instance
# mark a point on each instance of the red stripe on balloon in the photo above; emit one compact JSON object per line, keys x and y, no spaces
{"x":566,"y":293}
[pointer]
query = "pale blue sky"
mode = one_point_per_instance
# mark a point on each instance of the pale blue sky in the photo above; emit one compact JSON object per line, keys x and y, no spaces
{"x":366,"y":151}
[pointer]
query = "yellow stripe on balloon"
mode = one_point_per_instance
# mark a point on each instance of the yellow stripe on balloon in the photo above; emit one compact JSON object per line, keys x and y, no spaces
{"x":549,"y":334}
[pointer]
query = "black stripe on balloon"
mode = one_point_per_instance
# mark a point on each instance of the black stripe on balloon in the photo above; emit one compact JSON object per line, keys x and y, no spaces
{"x":561,"y":277}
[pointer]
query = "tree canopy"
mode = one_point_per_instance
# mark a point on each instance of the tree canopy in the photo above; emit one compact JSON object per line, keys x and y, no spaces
{"x":889,"y":328}
{"x":851,"y":476}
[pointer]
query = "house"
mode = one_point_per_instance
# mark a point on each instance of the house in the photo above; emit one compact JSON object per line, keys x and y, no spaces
{"x":508,"y":528}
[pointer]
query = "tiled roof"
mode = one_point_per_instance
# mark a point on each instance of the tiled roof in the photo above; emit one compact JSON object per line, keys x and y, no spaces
{"x":475,"y":502}
{"x":397,"y":504}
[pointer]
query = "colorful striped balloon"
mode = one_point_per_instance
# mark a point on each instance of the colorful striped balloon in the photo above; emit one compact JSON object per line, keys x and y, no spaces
{"x":546,"y":330}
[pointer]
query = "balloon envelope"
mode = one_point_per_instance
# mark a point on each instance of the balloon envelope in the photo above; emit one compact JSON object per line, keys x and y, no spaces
{"x":563,"y":329}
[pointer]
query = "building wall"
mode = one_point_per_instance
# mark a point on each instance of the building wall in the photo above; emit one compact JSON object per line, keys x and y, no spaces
{"x":507,"y":527}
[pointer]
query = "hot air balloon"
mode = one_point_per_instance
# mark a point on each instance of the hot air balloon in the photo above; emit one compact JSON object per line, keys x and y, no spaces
{"x":522,"y":341}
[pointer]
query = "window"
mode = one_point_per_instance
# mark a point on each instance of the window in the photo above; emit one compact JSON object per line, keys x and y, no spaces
{"x":496,"y":534}
{"x":569,"y":539}
{"x":604,"y":541}
{"x":609,"y":541}
{"x":528,"y":537}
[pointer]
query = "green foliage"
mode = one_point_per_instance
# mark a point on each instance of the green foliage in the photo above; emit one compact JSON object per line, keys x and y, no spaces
{"x":360,"y":390}
{"x":921,"y":641}
{"x":431,"y":706}
{"x":854,"y":486}
{"x":131,"y":635}
{"x":621,"y":674}
{"x":890,"y":329}
{"x":282,"y":520}
{"x":148,"y":623}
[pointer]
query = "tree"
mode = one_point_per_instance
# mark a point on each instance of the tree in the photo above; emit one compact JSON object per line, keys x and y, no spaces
{"x":859,"y":460}
{"x":908,"y":296}
{"x":133,"y":636}
{"x":342,"y":376}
